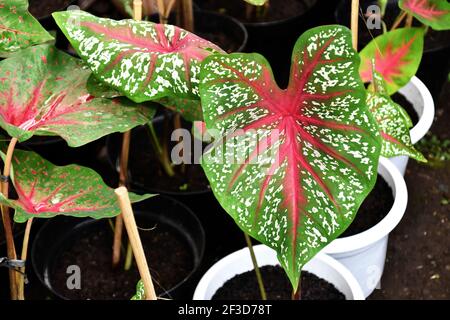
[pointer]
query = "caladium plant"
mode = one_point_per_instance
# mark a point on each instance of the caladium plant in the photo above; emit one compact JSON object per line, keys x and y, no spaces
{"x":142,"y":60}
{"x":45,"y":190}
{"x":433,"y":13}
{"x":43,"y":92}
{"x":393,"y":121}
{"x":304,"y":157}
{"x":18,"y":28}
{"x":397,"y":56}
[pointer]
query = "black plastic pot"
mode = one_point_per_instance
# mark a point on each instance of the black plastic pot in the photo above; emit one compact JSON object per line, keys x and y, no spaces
{"x":224,"y":31}
{"x":435,"y":64}
{"x":59,"y":233}
{"x":275,"y":39}
{"x":47,"y":21}
{"x":143,"y":176}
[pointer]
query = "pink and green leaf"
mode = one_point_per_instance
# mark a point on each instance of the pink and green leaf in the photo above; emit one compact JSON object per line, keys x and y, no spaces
{"x":43,"y":92}
{"x":433,"y":13}
{"x":143,"y":60}
{"x":18,"y":28}
{"x":45,"y":190}
{"x":397,"y":57}
{"x":393,"y":121}
{"x":190,"y":109}
{"x":294,"y":165}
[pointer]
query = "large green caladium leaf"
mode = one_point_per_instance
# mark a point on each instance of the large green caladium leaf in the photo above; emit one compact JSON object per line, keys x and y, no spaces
{"x":397,"y":57}
{"x":43,"y":92}
{"x":45,"y":190}
{"x":294,"y":165}
{"x":190,"y":109}
{"x":143,"y":60}
{"x":18,"y":28}
{"x":393,"y":121}
{"x":433,"y":13}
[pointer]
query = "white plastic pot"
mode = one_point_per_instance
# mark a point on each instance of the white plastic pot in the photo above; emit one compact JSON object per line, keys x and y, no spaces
{"x":239,"y":262}
{"x":364,"y":254}
{"x":420,"y":97}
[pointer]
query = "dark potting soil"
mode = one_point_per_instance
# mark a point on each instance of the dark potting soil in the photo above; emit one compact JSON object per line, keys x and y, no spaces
{"x":401,"y":100}
{"x":43,"y":8}
{"x":169,"y":257}
{"x":245,"y":287}
{"x":277,"y":10}
{"x":374,"y":208}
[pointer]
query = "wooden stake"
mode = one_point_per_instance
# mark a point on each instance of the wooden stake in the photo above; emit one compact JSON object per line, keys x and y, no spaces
{"x":354,"y":23}
{"x":123,"y":171}
{"x":23,"y":256}
{"x":136,"y":244}
{"x":137,"y":10}
{"x":6,"y":219}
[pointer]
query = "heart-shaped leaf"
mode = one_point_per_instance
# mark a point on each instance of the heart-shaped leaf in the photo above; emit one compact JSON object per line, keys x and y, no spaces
{"x":393,"y":121}
{"x":18,"y":28}
{"x":43,"y":92}
{"x":45,"y":190}
{"x":397,"y":57}
{"x":190,"y":109}
{"x":433,"y":13}
{"x":294,"y":165}
{"x":143,"y":60}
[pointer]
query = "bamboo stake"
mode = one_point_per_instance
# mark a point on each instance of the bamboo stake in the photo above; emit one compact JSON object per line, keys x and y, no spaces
{"x":6,"y":219}
{"x":23,"y":256}
{"x":398,"y":20}
{"x":123,"y":171}
{"x":136,"y":244}
{"x":354,"y":23}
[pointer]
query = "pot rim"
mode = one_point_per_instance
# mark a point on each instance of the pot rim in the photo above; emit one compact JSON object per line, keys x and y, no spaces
{"x":86,"y":221}
{"x":263,"y":250}
{"x":377,"y":232}
{"x":425,"y":109}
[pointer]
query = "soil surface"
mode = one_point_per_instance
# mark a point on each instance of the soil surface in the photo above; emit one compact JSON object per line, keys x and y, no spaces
{"x":168,"y":254}
{"x":418,"y":257}
{"x":44,"y":8}
{"x":277,"y":10}
{"x":277,"y":285}
{"x":373,"y":209}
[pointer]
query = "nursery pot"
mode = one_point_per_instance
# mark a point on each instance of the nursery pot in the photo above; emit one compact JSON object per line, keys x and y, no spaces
{"x":422,"y":101}
{"x":364,"y":254}
{"x":52,"y":251}
{"x":239,"y":262}
{"x":42,"y":10}
{"x":434,"y":66}
{"x":273,"y":37}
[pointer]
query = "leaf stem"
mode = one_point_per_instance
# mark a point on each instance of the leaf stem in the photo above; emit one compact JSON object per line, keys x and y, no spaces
{"x":409,"y":20}
{"x":23,"y":256}
{"x":128,"y":258}
{"x":6,"y":218}
{"x":162,"y":152}
{"x":259,"y":278}
{"x":398,"y":20}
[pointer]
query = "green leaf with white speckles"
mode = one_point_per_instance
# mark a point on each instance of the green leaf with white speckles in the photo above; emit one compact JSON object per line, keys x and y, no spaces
{"x":143,"y":60}
{"x":43,"y":92}
{"x":45,"y":190}
{"x":140,"y":291}
{"x":18,"y":28}
{"x":393,"y":121}
{"x":294,"y":165}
